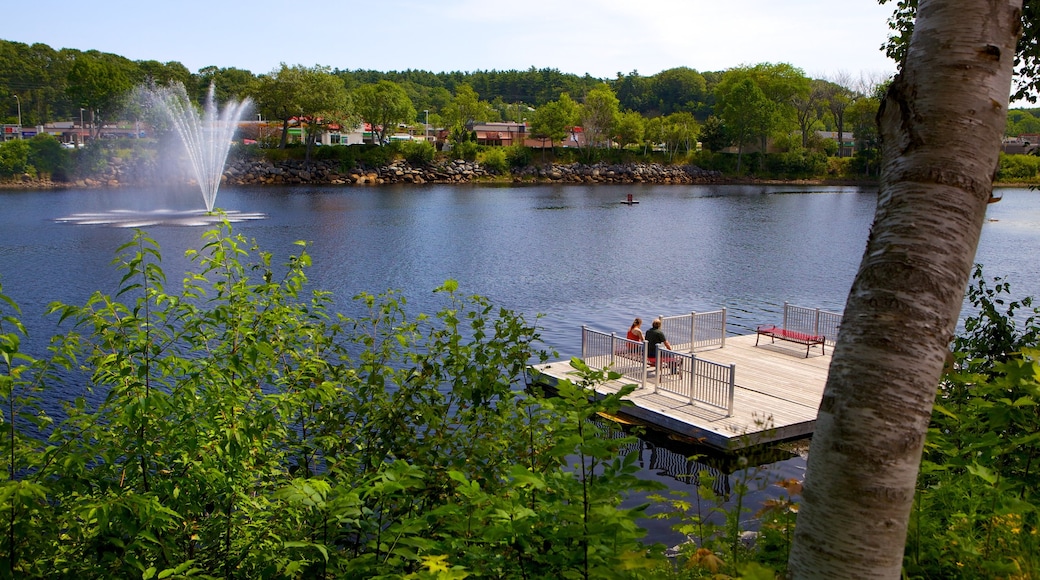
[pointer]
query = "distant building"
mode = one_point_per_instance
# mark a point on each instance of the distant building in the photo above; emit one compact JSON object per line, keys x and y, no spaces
{"x":846,"y":144}
{"x":500,"y":134}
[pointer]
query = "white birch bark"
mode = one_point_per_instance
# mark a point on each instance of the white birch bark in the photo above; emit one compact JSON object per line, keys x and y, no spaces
{"x":941,"y":126}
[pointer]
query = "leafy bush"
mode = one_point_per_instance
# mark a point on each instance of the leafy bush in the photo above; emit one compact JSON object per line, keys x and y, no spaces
{"x":976,"y":512}
{"x":375,"y":156}
{"x":1018,"y":167}
{"x":466,"y":150}
{"x":244,"y":431}
{"x":519,"y":156}
{"x":48,"y":156}
{"x":797,"y":163}
{"x":494,"y":160}
{"x":418,"y":153}
{"x":14,"y":157}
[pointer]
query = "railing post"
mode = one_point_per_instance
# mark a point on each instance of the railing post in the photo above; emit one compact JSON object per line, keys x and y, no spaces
{"x":693,"y":330}
{"x":583,"y":346}
{"x":785,"y":316}
{"x":693,"y":377}
{"x":816,"y":323}
{"x":732,"y":388}
{"x":642,"y":376}
{"x":613,"y":348}
{"x":723,"y":327}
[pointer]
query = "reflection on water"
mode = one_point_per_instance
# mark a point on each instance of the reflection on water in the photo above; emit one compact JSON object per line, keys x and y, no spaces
{"x":122,"y":218}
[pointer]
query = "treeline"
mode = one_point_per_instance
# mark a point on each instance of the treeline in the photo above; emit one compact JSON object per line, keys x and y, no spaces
{"x":747,"y":107}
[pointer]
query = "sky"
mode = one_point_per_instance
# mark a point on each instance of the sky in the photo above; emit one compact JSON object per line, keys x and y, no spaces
{"x":824,"y":38}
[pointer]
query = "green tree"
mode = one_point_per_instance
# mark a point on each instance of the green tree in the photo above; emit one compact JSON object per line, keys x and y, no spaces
{"x":634,"y":92}
{"x":746,"y":112}
{"x":713,"y":136}
{"x":862,"y":115}
{"x":99,"y":83}
{"x":838,"y":96}
{"x":230,"y":83}
{"x":680,"y":132}
{"x":599,"y":114}
{"x":809,"y":107}
{"x":630,"y":127}
{"x":678,"y":89}
{"x":465,"y":109}
{"x":554,"y":120}
{"x":384,"y":105}
{"x":298,"y":93}
{"x":155,"y":72}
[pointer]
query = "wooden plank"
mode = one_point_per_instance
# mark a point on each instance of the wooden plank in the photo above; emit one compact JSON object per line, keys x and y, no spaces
{"x":777,"y":394}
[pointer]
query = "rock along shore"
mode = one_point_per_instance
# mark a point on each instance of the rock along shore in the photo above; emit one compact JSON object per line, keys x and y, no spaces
{"x":459,"y":171}
{"x":119,"y":172}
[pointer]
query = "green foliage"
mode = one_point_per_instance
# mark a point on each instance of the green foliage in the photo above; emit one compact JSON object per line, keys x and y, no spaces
{"x":418,"y":153}
{"x":519,"y":156}
{"x":797,"y":163}
{"x":466,"y":150}
{"x":1018,"y":167}
{"x":244,"y":431}
{"x":976,"y":510}
{"x":494,"y":160}
{"x":48,"y":156}
{"x":14,"y":157}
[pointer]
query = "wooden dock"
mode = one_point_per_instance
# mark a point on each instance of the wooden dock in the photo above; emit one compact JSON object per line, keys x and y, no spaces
{"x":778,"y":391}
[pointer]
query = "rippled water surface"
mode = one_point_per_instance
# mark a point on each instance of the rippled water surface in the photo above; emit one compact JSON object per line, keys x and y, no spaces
{"x":571,"y":253}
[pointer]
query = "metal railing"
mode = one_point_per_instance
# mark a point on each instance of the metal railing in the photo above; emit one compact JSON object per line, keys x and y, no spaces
{"x":685,"y":375}
{"x":694,"y":379}
{"x":812,"y":321}
{"x":602,"y":350}
{"x":696,"y":330}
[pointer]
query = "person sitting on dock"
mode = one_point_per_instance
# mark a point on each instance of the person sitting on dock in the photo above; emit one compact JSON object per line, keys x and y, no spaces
{"x":635,"y":333}
{"x":654,"y":337}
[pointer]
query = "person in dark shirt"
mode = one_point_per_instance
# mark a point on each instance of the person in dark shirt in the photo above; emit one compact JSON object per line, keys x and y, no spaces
{"x":654,"y":337}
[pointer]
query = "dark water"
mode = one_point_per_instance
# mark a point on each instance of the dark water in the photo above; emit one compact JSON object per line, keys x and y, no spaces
{"x":572,"y":253}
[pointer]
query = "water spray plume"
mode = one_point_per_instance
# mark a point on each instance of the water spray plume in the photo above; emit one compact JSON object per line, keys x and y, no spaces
{"x":207,"y":137}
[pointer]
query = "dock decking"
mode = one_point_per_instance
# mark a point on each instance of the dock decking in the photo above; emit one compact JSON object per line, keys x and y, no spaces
{"x":777,"y":395}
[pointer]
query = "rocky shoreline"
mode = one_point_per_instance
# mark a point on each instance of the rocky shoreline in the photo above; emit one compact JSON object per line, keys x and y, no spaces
{"x":119,"y":172}
{"x":459,"y":171}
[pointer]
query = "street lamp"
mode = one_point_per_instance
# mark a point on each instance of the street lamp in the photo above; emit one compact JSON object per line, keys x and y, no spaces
{"x":79,"y":134}
{"x":260,"y":126}
{"x":19,"y":101}
{"x":426,"y":131}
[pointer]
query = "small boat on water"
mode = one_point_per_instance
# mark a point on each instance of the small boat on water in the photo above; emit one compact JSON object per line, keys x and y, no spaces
{"x":629,"y":200}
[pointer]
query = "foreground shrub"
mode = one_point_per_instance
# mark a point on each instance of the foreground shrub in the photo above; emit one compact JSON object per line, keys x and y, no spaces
{"x":244,"y":431}
{"x":976,"y":510}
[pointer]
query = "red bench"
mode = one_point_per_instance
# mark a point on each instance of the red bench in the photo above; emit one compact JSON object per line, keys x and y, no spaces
{"x":775,"y":332}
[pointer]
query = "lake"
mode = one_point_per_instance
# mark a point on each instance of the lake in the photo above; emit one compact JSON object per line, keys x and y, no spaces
{"x":571,"y":253}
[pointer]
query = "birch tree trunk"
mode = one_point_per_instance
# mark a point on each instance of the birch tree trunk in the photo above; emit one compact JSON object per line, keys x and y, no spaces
{"x":941,"y":125}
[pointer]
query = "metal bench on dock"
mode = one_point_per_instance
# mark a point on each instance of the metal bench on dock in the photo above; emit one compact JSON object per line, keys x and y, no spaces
{"x":775,"y":332}
{"x":801,"y":325}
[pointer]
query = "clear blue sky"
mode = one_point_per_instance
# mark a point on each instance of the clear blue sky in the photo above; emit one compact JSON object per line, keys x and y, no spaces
{"x":599,"y":37}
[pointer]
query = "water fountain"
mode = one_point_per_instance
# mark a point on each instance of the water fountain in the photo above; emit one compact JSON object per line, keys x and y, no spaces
{"x":207,"y":137}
